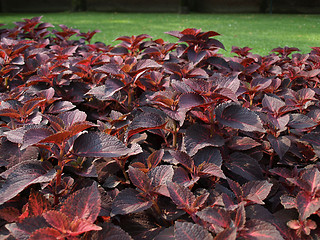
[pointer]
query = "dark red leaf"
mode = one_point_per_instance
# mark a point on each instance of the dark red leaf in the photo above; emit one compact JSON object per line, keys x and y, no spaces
{"x":229,"y":233}
{"x":22,"y":230}
{"x":243,"y":143}
{"x":210,"y":169}
{"x":80,"y":225}
{"x":10,"y":214}
{"x":110,"y":68}
{"x":104,"y":92}
{"x":45,"y":233}
{"x":285,"y":51}
{"x":279,"y":123}
{"x":190,"y":231}
{"x":22,"y":175}
{"x":301,"y":121}
{"x":111,"y":232}
{"x":218,"y":62}
{"x":189,"y":38}
{"x":84,"y":203}
{"x":16,"y":135}
{"x":159,"y":176}
{"x":34,"y":136}
{"x":190,"y":100}
{"x":311,"y":178}
{"x":314,"y":114}
{"x":235,"y":116}
{"x":294,"y":224}
{"x":119,"y":51}
{"x":88,"y":35}
{"x":37,"y":203}
{"x":288,"y":201}
{"x":56,"y":122}
{"x":98,"y":144}
{"x":281,"y":144}
{"x":244,"y":166}
{"x":166,"y":234}
{"x":273,"y":104}
{"x":11,"y":154}
{"x":184,"y":159}
{"x":214,"y":43}
{"x":73,"y":130}
{"x":155,"y":158}
{"x":176,"y":34}
{"x":9,"y":112}
{"x":224,"y":93}
{"x":198,"y":136}
{"x":314,"y":139}
{"x":307,"y":93}
{"x":257,"y":191}
{"x":145,"y":121}
{"x":129,"y":201}
{"x":60,"y":106}
{"x":146,"y":64}
{"x":208,"y":155}
{"x":260,"y":230}
{"x":231,"y":83}
{"x":310,"y":74}
{"x":58,"y":220}
{"x":240,"y":219}
{"x":181,"y":176}
{"x":181,"y":195}
{"x":216,"y":216}
{"x":139,"y":179}
{"x":200,"y":200}
{"x":235,"y":187}
{"x":307,"y":204}
{"x":195,"y":57}
{"x":259,"y":84}
{"x":71,"y":117}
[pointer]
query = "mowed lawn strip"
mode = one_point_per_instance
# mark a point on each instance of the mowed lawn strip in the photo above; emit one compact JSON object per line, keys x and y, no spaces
{"x":262,"y":32}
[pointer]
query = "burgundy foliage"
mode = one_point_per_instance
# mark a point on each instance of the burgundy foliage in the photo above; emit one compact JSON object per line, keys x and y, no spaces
{"x":155,"y":140}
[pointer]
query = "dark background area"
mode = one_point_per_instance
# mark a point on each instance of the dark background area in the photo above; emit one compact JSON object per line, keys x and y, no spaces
{"x":181,"y":6}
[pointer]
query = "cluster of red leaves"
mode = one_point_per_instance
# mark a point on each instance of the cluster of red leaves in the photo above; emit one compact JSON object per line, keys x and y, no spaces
{"x":155,"y":140}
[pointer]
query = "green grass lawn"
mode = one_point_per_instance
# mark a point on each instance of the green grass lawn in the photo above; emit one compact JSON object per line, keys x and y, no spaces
{"x":262,"y":32}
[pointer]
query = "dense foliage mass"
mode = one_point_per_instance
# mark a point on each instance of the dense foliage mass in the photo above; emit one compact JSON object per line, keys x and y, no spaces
{"x":156,"y":140}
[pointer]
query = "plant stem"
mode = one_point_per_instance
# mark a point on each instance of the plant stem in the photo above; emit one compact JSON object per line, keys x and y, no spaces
{"x":59,"y":173}
{"x":175,"y":135}
{"x":130,"y":96}
{"x":271,"y":160}
{"x":156,"y":207}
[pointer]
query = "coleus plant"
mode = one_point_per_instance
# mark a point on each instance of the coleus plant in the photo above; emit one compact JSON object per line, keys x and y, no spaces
{"x":149,"y":139}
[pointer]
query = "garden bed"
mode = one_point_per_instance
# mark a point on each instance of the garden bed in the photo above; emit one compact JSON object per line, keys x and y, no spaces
{"x":151,"y":140}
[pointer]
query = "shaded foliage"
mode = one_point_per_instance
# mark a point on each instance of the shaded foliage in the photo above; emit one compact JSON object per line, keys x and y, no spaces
{"x":155,"y":140}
